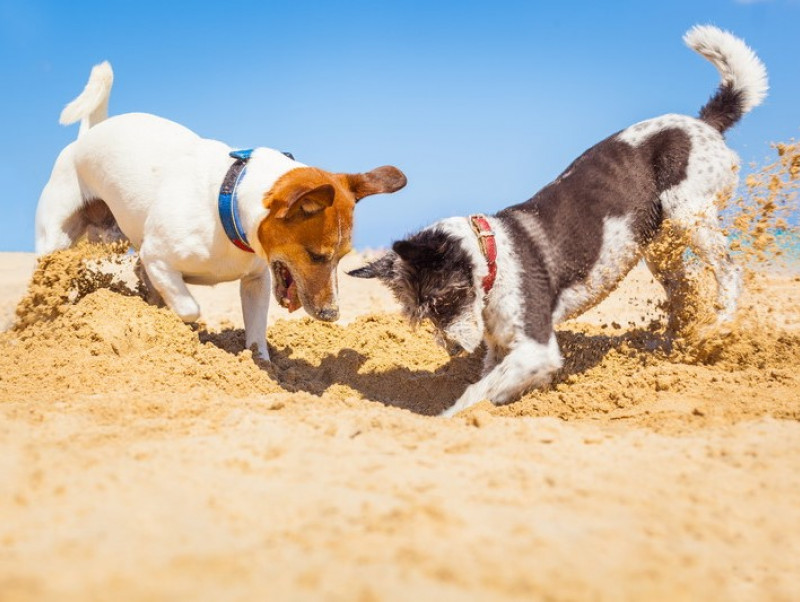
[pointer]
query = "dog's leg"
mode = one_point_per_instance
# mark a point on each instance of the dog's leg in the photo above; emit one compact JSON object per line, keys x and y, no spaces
{"x":528,"y":364}
{"x":255,"y":291}
{"x":490,"y":359}
{"x":170,"y":285}
{"x":664,"y":259}
{"x":60,"y":219}
{"x":101,"y":226}
{"x":711,"y":246}
{"x":704,"y":236}
{"x":694,"y":216}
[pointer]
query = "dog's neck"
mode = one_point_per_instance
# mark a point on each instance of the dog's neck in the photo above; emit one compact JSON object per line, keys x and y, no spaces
{"x":461,"y":229}
{"x":264,"y":169}
{"x":488,"y":245}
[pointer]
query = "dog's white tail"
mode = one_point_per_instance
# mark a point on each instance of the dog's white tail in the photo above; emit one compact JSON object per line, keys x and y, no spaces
{"x":91,"y":106}
{"x":744,"y":78}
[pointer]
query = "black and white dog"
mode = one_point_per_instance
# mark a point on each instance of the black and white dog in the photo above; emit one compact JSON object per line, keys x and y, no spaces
{"x":510,"y":278}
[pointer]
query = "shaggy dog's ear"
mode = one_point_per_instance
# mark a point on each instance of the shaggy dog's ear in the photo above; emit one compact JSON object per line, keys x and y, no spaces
{"x":382,"y":268}
{"x":409,"y":250}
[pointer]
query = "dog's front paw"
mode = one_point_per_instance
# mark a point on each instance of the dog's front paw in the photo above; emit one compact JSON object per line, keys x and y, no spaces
{"x":449,"y":412}
{"x":470,"y":397}
{"x":260,"y":352}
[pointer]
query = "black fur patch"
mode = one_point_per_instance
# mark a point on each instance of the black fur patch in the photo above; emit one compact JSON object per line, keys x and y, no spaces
{"x":436,"y":281}
{"x":723,"y":109}
{"x":611,"y":179}
{"x":429,"y":273}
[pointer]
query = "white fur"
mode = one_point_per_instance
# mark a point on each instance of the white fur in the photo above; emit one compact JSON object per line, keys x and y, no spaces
{"x":468,"y":329}
{"x":162,"y":186}
{"x":529,"y":364}
{"x":264,"y":168}
{"x":91,"y":105}
{"x":460,"y":228}
{"x":639,"y":132}
{"x":736,"y":62}
{"x":503,"y":312}
{"x":496,"y":318}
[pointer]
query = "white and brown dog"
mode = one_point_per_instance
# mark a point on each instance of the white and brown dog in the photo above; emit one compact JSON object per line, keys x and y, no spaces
{"x":509,"y":279}
{"x":199,"y":213}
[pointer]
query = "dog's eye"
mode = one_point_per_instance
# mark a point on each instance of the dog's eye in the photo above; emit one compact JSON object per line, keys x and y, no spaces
{"x":317,"y":258}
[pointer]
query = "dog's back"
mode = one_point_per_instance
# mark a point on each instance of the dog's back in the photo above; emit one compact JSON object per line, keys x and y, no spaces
{"x":587,"y":228}
{"x":589,"y":224}
{"x":139,"y":149}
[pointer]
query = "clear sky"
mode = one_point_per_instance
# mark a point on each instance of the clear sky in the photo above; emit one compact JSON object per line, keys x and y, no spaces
{"x":479,"y":103}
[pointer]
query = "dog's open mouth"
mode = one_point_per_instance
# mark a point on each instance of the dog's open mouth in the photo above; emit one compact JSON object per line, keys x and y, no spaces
{"x":285,"y":287}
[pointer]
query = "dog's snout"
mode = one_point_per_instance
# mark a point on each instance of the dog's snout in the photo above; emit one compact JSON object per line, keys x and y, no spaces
{"x":328,"y":314}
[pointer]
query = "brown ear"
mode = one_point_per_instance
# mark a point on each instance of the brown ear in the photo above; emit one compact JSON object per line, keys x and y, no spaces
{"x":377,"y":181}
{"x":306,"y":201}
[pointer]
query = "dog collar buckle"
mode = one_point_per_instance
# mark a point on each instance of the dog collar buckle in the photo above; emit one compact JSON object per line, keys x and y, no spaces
{"x":488,"y":245}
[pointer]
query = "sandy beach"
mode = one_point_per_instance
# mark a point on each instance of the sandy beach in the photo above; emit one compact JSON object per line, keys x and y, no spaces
{"x":145,"y":459}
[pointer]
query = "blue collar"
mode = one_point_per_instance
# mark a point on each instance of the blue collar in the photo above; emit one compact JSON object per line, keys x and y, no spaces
{"x":228,"y":202}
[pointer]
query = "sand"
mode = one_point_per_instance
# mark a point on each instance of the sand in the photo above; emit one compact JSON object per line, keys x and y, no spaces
{"x":145,"y":459}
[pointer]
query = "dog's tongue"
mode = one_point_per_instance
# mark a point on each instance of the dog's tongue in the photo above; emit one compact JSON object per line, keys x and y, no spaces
{"x":292,"y":299}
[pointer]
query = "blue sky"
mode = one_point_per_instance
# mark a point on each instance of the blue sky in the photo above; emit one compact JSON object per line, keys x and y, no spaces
{"x":479,"y":103}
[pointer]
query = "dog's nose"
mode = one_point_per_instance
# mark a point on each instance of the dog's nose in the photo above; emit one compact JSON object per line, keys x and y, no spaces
{"x":328,"y":314}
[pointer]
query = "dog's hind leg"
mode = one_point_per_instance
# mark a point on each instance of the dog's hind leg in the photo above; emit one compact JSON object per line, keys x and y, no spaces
{"x":101,"y":226}
{"x":60,"y":219}
{"x":664,"y":257}
{"x":170,"y":285}
{"x":710,"y":244}
{"x":703,"y":235}
{"x":527,"y":365}
{"x":691,"y":209}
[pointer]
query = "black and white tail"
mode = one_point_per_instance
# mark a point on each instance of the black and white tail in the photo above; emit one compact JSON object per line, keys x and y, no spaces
{"x":91,"y":106}
{"x":744,"y":77}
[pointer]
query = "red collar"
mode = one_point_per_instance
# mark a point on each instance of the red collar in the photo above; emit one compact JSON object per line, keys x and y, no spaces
{"x":488,"y":244}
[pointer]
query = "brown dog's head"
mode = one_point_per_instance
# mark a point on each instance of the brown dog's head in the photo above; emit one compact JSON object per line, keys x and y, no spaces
{"x":309,"y":229}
